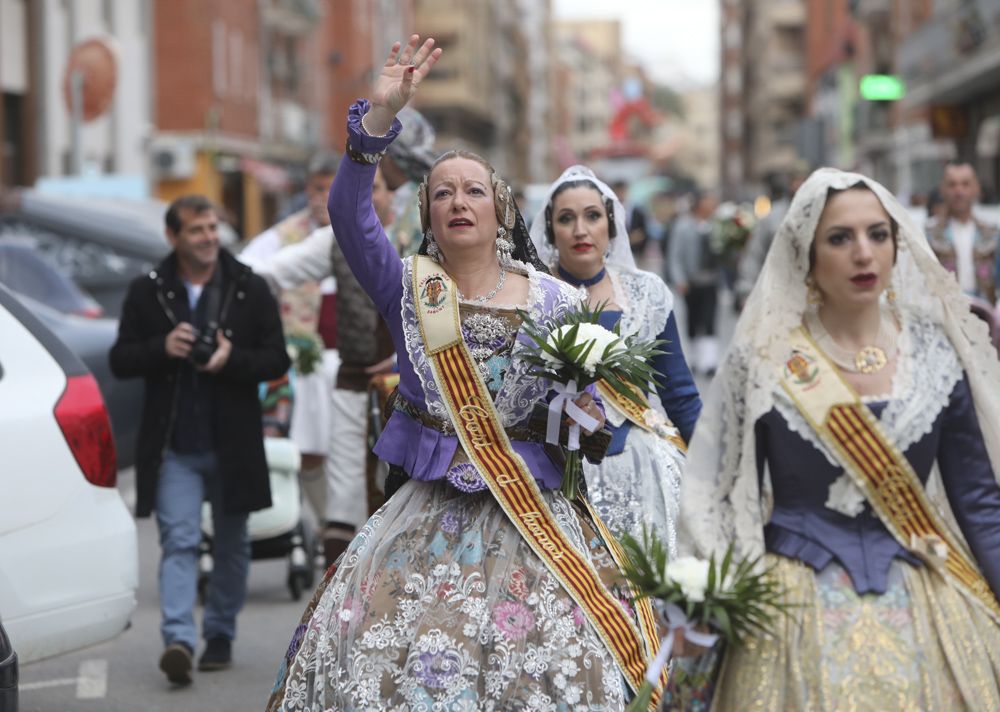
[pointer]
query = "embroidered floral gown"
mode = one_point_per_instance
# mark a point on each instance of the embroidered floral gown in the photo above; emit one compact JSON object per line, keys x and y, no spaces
{"x":875,"y":629}
{"x":439,"y":603}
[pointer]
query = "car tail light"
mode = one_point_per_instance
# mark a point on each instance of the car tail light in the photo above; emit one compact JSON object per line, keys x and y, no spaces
{"x":84,"y":422}
{"x":89,"y":312}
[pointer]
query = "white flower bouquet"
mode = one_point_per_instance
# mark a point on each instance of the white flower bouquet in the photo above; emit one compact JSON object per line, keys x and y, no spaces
{"x":575,"y":352}
{"x":305,"y":350}
{"x":732,"y":599}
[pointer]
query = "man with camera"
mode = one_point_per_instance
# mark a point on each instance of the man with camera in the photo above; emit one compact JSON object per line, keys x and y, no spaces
{"x":203,"y":331}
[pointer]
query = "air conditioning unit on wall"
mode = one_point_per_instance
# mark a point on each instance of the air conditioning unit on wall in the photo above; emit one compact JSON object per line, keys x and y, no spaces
{"x":173,"y":158}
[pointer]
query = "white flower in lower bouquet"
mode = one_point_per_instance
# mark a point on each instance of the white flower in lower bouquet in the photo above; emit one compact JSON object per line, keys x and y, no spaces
{"x":574,"y":352}
{"x":706,"y":599}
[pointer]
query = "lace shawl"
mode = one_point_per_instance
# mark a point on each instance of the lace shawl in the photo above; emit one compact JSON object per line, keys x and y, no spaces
{"x":547,"y":298}
{"x":721,"y":501}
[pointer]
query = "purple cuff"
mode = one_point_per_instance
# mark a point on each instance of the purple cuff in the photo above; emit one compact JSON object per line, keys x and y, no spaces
{"x":425,"y":454}
{"x":359,"y":138}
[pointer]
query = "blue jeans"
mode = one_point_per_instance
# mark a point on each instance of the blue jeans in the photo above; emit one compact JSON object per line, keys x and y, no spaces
{"x":185,"y":481}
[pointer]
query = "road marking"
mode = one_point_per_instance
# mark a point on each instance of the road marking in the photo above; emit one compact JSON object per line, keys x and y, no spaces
{"x":42,"y":684}
{"x":91,"y":682}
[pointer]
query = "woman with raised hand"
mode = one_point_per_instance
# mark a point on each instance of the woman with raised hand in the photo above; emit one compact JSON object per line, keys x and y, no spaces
{"x":580,"y":234}
{"x":477,"y":585}
{"x":853,"y":439}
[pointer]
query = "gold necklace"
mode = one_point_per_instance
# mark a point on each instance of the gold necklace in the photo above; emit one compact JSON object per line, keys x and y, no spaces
{"x":868,"y":359}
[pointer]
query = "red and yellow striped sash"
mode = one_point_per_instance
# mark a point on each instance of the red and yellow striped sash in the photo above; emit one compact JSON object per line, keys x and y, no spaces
{"x":855,"y":436}
{"x":637,"y":414}
{"x":486,"y":444}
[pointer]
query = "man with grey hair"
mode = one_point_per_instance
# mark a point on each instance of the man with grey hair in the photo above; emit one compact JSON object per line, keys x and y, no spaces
{"x":364,"y":345}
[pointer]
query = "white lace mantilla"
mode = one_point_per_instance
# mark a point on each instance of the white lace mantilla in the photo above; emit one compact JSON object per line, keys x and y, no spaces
{"x":520,"y":392}
{"x":645,"y":300}
{"x":912,"y":407}
{"x":926,"y":373}
{"x":721,"y":502}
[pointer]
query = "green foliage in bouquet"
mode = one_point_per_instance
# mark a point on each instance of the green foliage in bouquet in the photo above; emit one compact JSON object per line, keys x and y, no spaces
{"x":576,"y":347}
{"x":736,"y":598}
{"x":305,"y":351}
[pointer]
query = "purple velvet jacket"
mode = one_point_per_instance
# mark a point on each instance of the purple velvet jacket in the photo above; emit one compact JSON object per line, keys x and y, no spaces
{"x":422,"y":452}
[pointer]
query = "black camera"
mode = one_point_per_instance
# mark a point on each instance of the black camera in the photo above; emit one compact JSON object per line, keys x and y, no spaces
{"x":204,"y":345}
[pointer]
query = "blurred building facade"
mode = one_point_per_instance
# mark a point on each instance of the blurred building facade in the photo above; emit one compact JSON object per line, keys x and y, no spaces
{"x":589,"y":78}
{"x":240,"y":95}
{"x":37,"y":39}
{"x":491,"y":92}
{"x":762,"y":85}
{"x":18,"y":94}
{"x":698,"y":137}
{"x":949,"y":57}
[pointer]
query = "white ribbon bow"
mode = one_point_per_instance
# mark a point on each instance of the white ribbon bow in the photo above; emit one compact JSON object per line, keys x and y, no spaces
{"x":565,"y":395}
{"x":677,"y":621}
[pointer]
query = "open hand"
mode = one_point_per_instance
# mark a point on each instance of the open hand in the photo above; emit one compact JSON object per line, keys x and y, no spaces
{"x":402,"y":73}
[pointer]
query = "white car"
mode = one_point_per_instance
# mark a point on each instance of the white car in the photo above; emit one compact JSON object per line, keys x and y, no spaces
{"x":69,"y":567}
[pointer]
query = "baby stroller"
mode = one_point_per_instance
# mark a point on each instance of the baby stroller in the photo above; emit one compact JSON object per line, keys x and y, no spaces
{"x":278,"y":531}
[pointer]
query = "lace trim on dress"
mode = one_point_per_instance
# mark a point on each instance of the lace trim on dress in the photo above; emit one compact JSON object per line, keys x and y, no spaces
{"x":910,"y":412}
{"x":645,"y":300}
{"x":415,"y":346}
{"x":521,"y":391}
{"x":911,"y":418}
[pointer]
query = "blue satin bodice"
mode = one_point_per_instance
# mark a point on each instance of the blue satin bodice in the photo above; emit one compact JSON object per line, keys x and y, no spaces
{"x":804,"y":528}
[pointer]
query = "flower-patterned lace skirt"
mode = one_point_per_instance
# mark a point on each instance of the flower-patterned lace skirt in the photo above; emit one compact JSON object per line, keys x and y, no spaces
{"x":439,"y":604}
{"x":921,"y":645}
{"x":639,"y":486}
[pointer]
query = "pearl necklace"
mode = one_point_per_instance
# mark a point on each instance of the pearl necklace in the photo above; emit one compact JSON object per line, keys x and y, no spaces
{"x":868,"y":359}
{"x":489,"y":295}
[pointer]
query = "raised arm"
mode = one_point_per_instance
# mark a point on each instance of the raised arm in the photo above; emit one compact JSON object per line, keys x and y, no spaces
{"x":371,"y":127}
{"x":298,"y":264}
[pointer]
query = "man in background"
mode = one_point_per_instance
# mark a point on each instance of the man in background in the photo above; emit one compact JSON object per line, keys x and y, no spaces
{"x":964,"y":244}
{"x":202,"y":331}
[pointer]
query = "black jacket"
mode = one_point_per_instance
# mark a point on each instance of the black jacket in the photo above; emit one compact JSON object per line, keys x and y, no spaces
{"x":155,"y":303}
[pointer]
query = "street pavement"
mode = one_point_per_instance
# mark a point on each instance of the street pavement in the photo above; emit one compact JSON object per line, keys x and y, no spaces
{"x":122,"y":675}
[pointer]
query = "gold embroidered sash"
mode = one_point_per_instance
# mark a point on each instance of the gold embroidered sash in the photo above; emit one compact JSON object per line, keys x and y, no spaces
{"x":855,"y":437}
{"x":488,"y":448}
{"x":648,"y":418}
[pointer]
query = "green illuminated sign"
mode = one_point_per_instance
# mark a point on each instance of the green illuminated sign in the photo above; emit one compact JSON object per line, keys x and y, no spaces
{"x":882,"y":87}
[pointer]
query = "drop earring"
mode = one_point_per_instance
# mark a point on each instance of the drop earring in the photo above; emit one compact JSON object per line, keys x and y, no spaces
{"x":505,"y":248}
{"x":813,"y":295}
{"x":433,"y":251}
